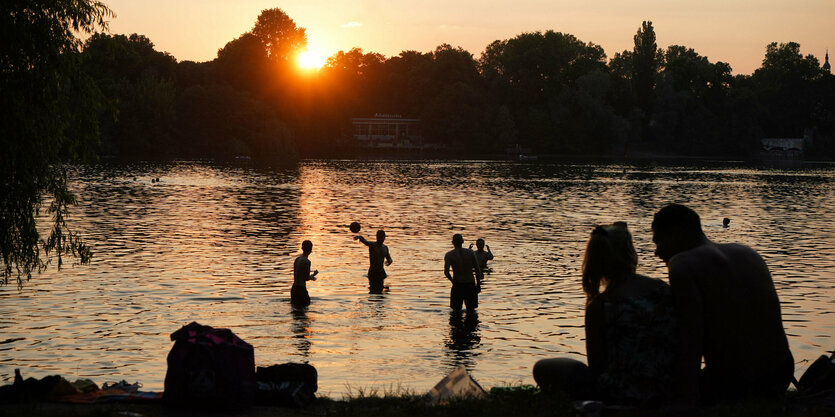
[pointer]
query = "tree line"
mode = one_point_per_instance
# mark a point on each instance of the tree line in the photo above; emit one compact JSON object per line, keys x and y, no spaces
{"x":548,"y":91}
{"x":67,"y":100}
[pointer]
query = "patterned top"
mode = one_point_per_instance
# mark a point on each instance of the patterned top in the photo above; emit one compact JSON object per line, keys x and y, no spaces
{"x":640,"y":338}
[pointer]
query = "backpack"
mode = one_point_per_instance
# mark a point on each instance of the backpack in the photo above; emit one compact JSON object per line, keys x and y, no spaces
{"x":817,"y":384}
{"x":209,"y":368}
{"x":287,"y":384}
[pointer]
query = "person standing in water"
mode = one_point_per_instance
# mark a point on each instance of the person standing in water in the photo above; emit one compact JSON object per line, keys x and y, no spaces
{"x":377,"y":253}
{"x":301,"y":274}
{"x":482,"y":255}
{"x":465,"y":286}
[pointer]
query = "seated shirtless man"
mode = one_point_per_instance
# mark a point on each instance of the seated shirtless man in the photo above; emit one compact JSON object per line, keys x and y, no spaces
{"x":728,"y":313}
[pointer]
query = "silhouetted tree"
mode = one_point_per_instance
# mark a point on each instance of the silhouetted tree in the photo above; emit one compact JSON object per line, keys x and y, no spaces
{"x":48,"y":115}
{"x":646,"y":60}
{"x":244,"y":63}
{"x":786,"y":84}
{"x":281,"y":38}
{"x":531,"y":74}
{"x":137,"y":80}
{"x":504,"y":128}
{"x":691,"y":104}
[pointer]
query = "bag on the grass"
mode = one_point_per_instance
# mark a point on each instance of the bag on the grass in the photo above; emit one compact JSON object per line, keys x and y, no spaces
{"x":287,"y":384}
{"x":817,"y":384}
{"x":210,"y":367}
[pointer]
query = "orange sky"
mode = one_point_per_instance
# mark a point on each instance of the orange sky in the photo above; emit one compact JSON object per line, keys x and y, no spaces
{"x":734,"y":31}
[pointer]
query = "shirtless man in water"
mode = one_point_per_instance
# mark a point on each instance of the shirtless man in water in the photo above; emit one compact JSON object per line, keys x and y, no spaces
{"x":377,"y":252}
{"x":482,"y":255}
{"x":301,"y":274}
{"x":465,"y":287}
{"x":728,"y":313}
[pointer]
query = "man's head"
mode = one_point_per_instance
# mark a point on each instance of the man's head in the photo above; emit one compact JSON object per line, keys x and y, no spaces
{"x":381,"y":236}
{"x":675,"y":228}
{"x":307,"y":246}
{"x":457,"y":240}
{"x":479,"y":244}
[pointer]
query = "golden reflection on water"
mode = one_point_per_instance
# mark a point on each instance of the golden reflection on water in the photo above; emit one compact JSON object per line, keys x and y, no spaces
{"x":216,"y":244}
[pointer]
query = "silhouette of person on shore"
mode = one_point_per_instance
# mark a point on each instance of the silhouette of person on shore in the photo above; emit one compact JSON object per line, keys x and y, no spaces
{"x":629,"y":329}
{"x":481,"y":255}
{"x":377,"y":253}
{"x":301,"y":274}
{"x":465,"y":285}
{"x":728,"y":312}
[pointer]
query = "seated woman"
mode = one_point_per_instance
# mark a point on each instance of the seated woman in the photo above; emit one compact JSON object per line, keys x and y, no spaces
{"x":629,"y":329}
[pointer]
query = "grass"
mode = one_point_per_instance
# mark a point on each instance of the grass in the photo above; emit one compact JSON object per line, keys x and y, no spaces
{"x":397,"y":402}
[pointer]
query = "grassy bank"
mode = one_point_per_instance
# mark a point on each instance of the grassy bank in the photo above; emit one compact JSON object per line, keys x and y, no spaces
{"x":525,"y":404}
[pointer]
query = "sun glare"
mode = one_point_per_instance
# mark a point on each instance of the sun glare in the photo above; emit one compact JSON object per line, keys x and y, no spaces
{"x":311,"y":60}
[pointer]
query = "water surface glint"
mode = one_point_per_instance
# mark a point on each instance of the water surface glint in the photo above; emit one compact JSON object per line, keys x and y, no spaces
{"x":215,"y":244}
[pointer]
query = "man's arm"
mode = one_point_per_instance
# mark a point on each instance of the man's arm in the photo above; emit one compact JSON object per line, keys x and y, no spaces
{"x":388,"y":257}
{"x":362,"y":239}
{"x":312,"y":276}
{"x":489,"y":253}
{"x":446,"y":268}
{"x":689,"y":313}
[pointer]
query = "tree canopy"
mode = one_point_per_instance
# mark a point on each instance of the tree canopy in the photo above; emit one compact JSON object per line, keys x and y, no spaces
{"x":281,"y":38}
{"x":48,"y":115}
{"x":549,"y":91}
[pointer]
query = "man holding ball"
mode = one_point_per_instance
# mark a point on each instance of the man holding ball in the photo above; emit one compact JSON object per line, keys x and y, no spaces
{"x":377,"y":252}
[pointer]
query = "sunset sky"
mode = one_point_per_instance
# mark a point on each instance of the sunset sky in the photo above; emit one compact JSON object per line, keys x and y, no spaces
{"x":733,"y":31}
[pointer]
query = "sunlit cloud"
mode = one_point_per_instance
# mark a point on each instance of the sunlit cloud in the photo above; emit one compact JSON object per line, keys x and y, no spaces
{"x":351,"y":25}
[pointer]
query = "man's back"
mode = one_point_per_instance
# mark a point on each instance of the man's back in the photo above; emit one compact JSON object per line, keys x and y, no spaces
{"x":483,"y":256}
{"x":301,"y":271}
{"x":376,"y":255}
{"x":727,"y":291}
{"x":463,"y":262}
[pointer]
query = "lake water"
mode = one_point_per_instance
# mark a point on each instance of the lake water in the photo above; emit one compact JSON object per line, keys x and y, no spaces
{"x":215,"y":244}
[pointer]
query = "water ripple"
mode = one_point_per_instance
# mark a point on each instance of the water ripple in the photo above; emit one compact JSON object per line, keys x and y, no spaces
{"x":215,"y":244}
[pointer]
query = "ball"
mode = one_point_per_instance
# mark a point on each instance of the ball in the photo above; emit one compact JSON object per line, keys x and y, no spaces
{"x":355,"y":227}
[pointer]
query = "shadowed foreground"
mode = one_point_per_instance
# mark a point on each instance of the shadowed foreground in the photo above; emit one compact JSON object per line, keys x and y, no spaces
{"x":505,"y":404}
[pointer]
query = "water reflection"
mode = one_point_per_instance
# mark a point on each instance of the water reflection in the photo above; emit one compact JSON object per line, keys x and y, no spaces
{"x":216,"y":243}
{"x":464,"y":339}
{"x":300,"y":328}
{"x":377,"y":305}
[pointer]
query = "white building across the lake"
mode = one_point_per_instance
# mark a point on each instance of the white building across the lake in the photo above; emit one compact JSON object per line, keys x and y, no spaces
{"x":391,"y":131}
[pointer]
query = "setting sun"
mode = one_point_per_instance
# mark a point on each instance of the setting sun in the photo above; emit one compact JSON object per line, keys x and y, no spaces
{"x":311,"y":60}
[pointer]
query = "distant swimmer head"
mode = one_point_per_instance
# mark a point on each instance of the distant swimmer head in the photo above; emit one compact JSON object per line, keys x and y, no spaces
{"x":726,"y":222}
{"x":479,"y":244}
{"x":381,"y":236}
{"x":457,"y":240}
{"x":307,"y":246}
{"x":610,"y":257}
